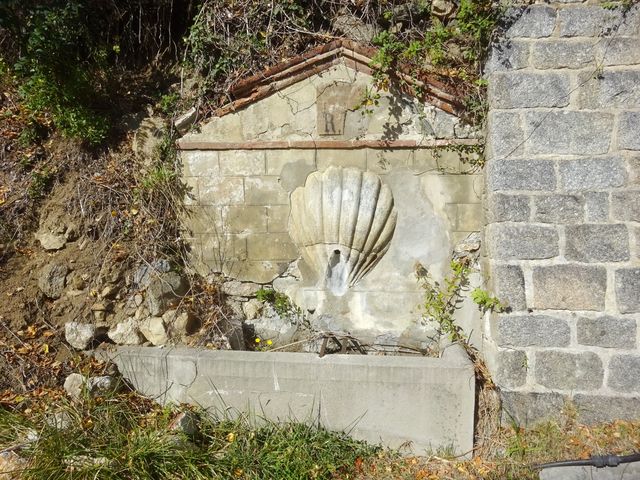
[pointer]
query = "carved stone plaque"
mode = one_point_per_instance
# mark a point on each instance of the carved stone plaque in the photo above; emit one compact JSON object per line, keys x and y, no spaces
{"x":332,"y":103}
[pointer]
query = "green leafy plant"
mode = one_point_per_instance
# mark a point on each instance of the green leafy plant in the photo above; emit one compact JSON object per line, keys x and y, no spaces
{"x":157,"y":177}
{"x":229,"y":36}
{"x":389,"y":49}
{"x":40,"y":183}
{"x":486,"y":301}
{"x":370,"y":98}
{"x":56,"y":73}
{"x":452,"y":48}
{"x":168,"y":103}
{"x":31,"y":134}
{"x":442,"y":299}
{"x":262,"y":345}
{"x":623,"y":5}
{"x":280,"y":302}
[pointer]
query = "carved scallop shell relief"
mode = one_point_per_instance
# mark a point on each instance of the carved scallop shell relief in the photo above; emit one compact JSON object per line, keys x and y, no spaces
{"x":342,"y":221}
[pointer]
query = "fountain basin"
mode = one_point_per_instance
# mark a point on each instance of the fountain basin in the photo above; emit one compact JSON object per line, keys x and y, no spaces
{"x":420,"y":403}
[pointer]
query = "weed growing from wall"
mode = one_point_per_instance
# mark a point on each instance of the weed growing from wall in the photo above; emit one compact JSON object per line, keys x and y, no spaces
{"x":453,"y":48}
{"x":279,"y":301}
{"x":443,"y":299}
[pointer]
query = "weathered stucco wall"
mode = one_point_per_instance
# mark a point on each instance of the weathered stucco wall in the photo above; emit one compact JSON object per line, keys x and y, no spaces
{"x":563,"y":206}
{"x":243,"y":167}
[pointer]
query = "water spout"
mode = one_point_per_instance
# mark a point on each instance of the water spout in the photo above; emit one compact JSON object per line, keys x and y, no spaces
{"x":337,"y":276}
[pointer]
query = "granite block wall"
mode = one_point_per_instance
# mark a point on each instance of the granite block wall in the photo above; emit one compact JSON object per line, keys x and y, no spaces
{"x":562,"y":210}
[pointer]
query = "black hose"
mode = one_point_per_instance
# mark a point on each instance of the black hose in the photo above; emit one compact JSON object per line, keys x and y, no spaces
{"x":598,"y":461}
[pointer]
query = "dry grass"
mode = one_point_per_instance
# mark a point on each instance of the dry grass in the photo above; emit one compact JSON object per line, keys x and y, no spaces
{"x":512,"y":452}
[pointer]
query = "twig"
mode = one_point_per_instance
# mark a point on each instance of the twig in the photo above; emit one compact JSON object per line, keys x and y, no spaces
{"x":12,"y":334}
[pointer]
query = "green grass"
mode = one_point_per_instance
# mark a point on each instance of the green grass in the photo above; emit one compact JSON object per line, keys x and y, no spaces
{"x":125,"y":437}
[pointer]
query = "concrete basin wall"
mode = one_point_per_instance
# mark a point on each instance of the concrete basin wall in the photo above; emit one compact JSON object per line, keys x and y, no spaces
{"x":425,"y":403}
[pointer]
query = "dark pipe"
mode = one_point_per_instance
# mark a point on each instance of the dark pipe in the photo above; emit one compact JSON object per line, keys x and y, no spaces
{"x":598,"y":461}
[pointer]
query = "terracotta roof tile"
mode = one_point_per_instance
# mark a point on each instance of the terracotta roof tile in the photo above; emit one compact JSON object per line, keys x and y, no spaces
{"x":434,"y":90}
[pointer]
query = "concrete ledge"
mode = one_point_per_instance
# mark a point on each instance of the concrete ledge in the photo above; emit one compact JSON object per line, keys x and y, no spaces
{"x":427,"y":402}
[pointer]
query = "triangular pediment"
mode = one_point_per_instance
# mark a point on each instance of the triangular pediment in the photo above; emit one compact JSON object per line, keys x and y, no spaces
{"x":327,"y":97}
{"x":434,"y":90}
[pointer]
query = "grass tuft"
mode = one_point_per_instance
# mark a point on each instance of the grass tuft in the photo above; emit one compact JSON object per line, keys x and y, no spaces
{"x":126,"y":437}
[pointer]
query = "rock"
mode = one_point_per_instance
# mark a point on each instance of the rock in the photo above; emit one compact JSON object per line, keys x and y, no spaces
{"x":141,"y":313}
{"x":51,"y":241}
{"x":126,"y":333}
{"x":165,"y":291}
{"x":252,"y":309}
{"x":272,"y":326}
{"x":115,"y":275}
{"x":154,"y":330}
{"x":532,"y":331}
{"x":85,"y":461}
{"x":148,"y":137}
{"x":101,"y":384}
{"x":170,"y":316}
{"x":80,"y":335}
{"x":185,"y":423}
{"x":183,"y":123}
{"x":570,"y":287}
{"x":627,"y":281}
{"x":142,"y":277}
{"x":468,"y":246}
{"x":442,"y":8}
{"x":59,"y":420}
{"x":236,"y":308}
{"x":99,"y":310}
{"x":180,"y":324}
{"x":52,"y":280}
{"x":109,"y":291}
{"x":11,"y":465}
{"x":508,"y":285}
{"x":76,"y":281}
{"x":56,"y":231}
{"x":287,"y":285}
{"x":570,"y":371}
{"x":240,"y":289}
{"x":73,"y":385}
{"x":30,"y":436}
{"x":353,"y":27}
{"x":522,"y":241}
{"x":100,"y":307}
{"x":132,"y":303}
{"x":597,"y":243}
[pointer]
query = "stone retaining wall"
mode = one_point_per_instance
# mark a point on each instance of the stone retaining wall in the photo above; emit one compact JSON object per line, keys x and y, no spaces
{"x":562,"y":207}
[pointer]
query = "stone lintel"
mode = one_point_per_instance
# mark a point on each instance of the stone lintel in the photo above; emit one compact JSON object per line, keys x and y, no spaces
{"x":325,"y":144}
